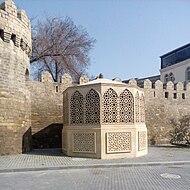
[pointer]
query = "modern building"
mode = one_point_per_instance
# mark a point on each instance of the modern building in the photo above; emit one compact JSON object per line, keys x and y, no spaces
{"x":175,"y":65}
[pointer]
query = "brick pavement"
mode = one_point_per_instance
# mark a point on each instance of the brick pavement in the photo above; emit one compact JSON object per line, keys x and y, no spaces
{"x":121,"y":178}
{"x":38,"y":160}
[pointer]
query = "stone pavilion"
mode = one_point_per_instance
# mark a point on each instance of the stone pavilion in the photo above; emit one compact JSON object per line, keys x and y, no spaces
{"x":104,"y":119}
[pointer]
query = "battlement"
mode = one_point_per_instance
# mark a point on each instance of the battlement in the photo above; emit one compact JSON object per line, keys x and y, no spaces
{"x":66,"y":79}
{"x":15,"y":26}
{"x":169,"y":91}
{"x":10,"y":8}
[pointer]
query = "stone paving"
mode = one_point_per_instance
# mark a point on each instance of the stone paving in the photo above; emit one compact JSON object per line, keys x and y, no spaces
{"x":53,"y":159}
{"x":121,"y":178}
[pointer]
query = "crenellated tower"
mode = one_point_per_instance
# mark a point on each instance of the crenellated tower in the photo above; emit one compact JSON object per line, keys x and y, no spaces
{"x":15,"y":49}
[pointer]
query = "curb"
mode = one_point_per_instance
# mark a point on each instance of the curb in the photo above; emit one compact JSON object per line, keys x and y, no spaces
{"x":174,"y":163}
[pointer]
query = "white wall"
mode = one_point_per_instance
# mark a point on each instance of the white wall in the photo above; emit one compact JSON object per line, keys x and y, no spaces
{"x":179,"y":71}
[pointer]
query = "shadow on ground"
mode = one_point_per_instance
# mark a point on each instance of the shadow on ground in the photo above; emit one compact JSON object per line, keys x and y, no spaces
{"x":47,"y":152}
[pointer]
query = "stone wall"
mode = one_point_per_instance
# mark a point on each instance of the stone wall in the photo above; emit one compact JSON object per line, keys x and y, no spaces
{"x":164,"y":103}
{"x":47,"y":110}
{"x":15,"y":45}
{"x":36,"y":108}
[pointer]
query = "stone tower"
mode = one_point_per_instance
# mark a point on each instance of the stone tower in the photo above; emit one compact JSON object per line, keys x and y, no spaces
{"x":15,"y":48}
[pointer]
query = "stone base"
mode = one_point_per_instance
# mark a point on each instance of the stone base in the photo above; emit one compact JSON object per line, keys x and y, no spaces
{"x":105,"y":142}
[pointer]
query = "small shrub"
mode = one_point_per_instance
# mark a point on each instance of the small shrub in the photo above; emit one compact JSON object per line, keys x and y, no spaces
{"x":180,"y":133}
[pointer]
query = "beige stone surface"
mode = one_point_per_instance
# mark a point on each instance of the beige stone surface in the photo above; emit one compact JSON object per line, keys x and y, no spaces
{"x":162,"y":104}
{"x":104,"y":119}
{"x":46,"y":104}
{"x":27,"y":107}
{"x":15,"y":45}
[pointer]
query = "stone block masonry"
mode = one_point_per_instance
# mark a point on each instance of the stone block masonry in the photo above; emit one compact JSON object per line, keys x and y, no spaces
{"x":15,"y":45}
{"x":47,"y":110}
{"x":164,"y":102}
{"x":36,"y":108}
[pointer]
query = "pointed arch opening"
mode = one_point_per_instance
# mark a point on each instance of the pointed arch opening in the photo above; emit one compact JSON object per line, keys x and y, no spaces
{"x":110,"y":106}
{"x":92,"y":107}
{"x":126,"y":103}
{"x":77,"y":108}
{"x":137,"y":107}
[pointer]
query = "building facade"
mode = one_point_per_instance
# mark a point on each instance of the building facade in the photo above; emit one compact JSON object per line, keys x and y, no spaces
{"x":175,"y":65}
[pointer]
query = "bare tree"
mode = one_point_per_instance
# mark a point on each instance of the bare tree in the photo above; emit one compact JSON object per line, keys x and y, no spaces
{"x":60,"y":46}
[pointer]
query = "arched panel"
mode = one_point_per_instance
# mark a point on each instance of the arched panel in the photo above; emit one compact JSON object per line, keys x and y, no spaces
{"x":110,"y":106}
{"x":142,"y":109}
{"x":92,"y":113}
{"x":77,"y":108}
{"x":137,"y":108}
{"x":126,"y":103}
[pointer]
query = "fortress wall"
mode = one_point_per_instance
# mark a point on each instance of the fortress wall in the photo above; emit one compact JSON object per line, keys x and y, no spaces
{"x":158,"y":118}
{"x":163,"y":103}
{"x":47,"y":110}
{"x":15,"y":136}
{"x":15,"y":45}
{"x":46,"y":107}
{"x":36,"y":108}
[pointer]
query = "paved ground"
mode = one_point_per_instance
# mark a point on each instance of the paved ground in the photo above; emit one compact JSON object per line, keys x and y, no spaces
{"x":121,"y":178}
{"x":54,"y":160}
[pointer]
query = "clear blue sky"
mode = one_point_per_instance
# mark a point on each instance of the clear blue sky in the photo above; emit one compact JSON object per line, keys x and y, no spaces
{"x":130,"y":34}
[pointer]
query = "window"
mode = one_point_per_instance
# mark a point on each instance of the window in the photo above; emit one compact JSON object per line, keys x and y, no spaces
{"x":166,"y":94}
{"x":175,"y":56}
{"x":187,"y":78}
{"x":183,"y":95}
{"x":2,"y":34}
{"x":56,"y":88}
{"x":27,"y":75}
{"x":22,"y":44}
{"x":13,"y":38}
{"x":171,"y":77}
{"x":166,"y":78}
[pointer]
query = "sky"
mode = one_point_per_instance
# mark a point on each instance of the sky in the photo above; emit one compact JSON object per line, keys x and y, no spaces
{"x":131,"y":34}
